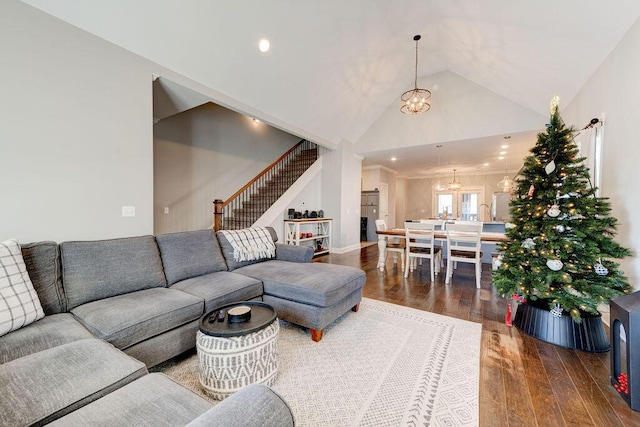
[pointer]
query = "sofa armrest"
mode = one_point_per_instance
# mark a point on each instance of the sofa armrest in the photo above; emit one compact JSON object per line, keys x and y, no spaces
{"x":255,"y":405}
{"x":293,"y":253}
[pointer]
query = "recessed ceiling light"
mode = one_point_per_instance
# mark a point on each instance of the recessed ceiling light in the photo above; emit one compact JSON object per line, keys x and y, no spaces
{"x":393,"y":159}
{"x":501,"y":158}
{"x":486,"y":164}
{"x":503,"y":152}
{"x":504,"y":146}
{"x":264,"y":45}
{"x":256,"y":120}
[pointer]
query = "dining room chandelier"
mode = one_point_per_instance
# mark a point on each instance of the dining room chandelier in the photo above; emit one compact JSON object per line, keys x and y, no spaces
{"x":506,"y":184}
{"x":416,"y":100}
{"x":455,"y":185}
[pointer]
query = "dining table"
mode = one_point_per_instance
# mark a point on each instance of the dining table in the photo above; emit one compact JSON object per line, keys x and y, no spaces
{"x":399,"y":233}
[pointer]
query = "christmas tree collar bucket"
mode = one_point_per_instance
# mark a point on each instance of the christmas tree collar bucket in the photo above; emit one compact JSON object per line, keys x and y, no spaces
{"x":559,"y":260}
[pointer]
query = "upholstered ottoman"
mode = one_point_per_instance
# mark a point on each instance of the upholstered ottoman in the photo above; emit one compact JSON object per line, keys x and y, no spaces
{"x":312,"y":295}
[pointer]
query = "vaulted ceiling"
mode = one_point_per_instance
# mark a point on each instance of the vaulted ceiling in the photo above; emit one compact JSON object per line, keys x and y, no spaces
{"x":336,"y":67}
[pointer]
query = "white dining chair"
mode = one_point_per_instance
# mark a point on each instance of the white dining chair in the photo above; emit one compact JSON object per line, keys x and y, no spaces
{"x":439,"y":225}
{"x":463,"y":245}
{"x":420,"y":242}
{"x":397,"y":246}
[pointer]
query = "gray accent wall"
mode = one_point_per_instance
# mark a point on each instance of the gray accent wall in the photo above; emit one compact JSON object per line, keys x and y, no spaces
{"x":207,"y":153}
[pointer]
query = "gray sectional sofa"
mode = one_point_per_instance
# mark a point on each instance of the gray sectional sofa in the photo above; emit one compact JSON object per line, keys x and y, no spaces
{"x":114,"y":308}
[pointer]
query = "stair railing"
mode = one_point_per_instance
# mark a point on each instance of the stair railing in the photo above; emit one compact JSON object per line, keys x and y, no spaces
{"x":251,"y":190}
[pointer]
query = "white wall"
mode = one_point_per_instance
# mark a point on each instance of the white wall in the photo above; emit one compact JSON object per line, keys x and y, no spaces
{"x":402,"y":185}
{"x":207,"y":153}
{"x":460,"y":110}
{"x":75,"y":132}
{"x":341,"y":181}
{"x":419,"y":193}
{"x":372,"y":178}
{"x":613,"y":92}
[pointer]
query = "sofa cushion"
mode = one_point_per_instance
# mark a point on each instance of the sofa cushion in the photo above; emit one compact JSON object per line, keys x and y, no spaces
{"x":294,"y":253}
{"x":128,"y":319}
{"x":50,"y":331}
{"x":94,"y":270}
{"x":227,"y":250}
{"x":316,"y":284}
{"x":255,"y":405}
{"x":221,"y":288}
{"x":43,"y":265}
{"x":19,"y":303}
{"x":190,"y":254}
{"x":47,"y":385}
{"x":153,"y":400}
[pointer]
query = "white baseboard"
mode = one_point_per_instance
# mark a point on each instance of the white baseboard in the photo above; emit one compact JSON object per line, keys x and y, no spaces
{"x":346,"y":249}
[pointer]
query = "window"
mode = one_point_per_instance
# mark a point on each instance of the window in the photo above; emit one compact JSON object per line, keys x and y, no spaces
{"x":463,"y":204}
{"x":469,"y":208}
{"x":445,"y":205}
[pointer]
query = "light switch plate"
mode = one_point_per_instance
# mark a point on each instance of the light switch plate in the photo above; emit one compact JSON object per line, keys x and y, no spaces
{"x":128,"y":211}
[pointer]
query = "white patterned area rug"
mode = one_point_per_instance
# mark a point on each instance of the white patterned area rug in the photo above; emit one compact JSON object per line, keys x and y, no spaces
{"x":386,"y":365}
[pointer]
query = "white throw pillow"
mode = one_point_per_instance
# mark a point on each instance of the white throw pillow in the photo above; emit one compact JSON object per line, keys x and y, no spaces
{"x":19,"y":303}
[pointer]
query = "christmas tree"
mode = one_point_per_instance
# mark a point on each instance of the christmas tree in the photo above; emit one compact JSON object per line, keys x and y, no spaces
{"x":560,"y":246}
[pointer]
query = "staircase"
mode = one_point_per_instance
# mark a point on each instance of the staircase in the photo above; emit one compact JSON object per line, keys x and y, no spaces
{"x":249,"y":203}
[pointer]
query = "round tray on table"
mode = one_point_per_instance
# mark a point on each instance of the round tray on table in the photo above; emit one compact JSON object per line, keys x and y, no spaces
{"x":262,"y":315}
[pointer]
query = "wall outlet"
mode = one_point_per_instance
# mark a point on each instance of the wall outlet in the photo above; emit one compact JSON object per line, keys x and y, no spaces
{"x":166,"y":209}
{"x":128,"y":211}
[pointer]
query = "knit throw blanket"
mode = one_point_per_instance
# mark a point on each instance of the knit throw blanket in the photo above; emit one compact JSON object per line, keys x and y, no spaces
{"x":250,"y":244}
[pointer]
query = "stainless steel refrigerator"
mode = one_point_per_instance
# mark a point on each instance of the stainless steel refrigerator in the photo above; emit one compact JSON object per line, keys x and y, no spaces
{"x":369,"y":209}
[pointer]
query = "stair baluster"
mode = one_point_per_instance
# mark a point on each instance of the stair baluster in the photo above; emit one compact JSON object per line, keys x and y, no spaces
{"x":247,"y":205}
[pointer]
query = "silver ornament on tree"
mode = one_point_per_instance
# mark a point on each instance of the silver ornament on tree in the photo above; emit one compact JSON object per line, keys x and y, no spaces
{"x":551,"y":166}
{"x":600,"y":269}
{"x":554,"y":211}
{"x":556,"y":311}
{"x":528,"y":243}
{"x":555,"y":264}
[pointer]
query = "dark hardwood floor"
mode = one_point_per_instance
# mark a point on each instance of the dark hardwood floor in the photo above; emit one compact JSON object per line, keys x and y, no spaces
{"x":523,"y":381}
